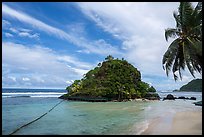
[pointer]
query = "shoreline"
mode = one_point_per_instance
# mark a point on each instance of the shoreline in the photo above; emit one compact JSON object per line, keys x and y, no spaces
{"x":180,"y":123}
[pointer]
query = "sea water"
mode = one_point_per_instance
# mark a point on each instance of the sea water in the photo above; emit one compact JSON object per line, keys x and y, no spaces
{"x":85,"y":118}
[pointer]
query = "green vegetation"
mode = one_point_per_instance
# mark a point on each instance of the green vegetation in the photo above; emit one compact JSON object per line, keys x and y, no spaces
{"x":186,"y":49}
{"x":194,"y":85}
{"x":112,"y":79}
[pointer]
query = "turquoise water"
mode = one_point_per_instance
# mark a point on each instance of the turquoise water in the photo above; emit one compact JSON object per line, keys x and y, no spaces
{"x":82,"y":118}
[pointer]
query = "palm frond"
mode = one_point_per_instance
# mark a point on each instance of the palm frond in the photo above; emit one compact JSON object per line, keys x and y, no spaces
{"x":197,"y":13}
{"x":185,"y":12}
{"x":179,"y":62}
{"x":186,"y":49}
{"x":171,"y":32}
{"x":188,"y":62}
{"x":198,"y":7}
{"x":175,"y":77}
{"x":170,"y":56}
{"x":177,"y":19}
{"x":193,"y":61}
{"x":195,"y":46}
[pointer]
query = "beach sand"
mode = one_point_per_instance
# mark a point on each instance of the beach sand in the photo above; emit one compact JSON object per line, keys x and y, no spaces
{"x":182,"y":123}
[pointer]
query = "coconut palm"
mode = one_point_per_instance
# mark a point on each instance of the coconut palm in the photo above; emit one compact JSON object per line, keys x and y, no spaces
{"x":186,"y":49}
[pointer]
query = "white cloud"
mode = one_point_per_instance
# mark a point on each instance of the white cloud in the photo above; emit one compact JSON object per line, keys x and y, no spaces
{"x":26,"y":34}
{"x":75,"y":62}
{"x":22,"y":32}
{"x":69,"y":82}
{"x":104,"y":48}
{"x":25,"y":30}
{"x":5,"y":23}
{"x":141,"y":26}
{"x":25,"y":79}
{"x":38,"y":65}
{"x":8,"y":34}
{"x":83,"y":51}
{"x":12,"y":78}
{"x":129,"y":18}
{"x":14,"y":30}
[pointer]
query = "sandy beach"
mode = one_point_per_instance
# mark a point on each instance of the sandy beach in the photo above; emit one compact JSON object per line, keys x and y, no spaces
{"x":182,"y":123}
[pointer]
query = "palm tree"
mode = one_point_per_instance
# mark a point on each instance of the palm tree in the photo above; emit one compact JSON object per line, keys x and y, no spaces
{"x":186,"y":49}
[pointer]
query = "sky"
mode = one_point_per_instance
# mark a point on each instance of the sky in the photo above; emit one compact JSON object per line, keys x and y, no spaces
{"x":51,"y":44}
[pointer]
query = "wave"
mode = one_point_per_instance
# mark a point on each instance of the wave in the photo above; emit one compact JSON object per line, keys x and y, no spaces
{"x":32,"y":94}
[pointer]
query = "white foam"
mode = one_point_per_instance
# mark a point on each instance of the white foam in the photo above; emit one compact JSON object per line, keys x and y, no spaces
{"x":37,"y":93}
{"x":33,"y":94}
{"x":46,"y":96}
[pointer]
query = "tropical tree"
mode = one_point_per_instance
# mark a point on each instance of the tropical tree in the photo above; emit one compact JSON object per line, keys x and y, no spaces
{"x":186,"y":49}
{"x":109,"y":58}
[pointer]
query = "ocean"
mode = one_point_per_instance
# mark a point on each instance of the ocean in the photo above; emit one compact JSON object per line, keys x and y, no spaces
{"x":21,"y":106}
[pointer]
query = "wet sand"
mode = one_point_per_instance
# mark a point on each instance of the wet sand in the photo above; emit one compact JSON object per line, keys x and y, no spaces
{"x":187,"y":123}
{"x":182,"y":123}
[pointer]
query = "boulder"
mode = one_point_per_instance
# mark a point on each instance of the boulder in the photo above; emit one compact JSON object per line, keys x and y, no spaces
{"x":181,"y":97}
{"x":199,"y":103}
{"x":169,"y":97}
{"x":152,"y":96}
{"x":193,"y":98}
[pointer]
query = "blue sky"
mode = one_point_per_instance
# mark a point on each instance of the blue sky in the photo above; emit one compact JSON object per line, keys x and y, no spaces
{"x":50,"y":44}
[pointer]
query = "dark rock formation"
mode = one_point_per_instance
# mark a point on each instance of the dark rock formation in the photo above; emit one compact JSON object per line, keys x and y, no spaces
{"x":199,"y":103}
{"x":193,"y":98}
{"x":169,"y":97}
{"x":181,"y":97}
{"x":152,"y":96}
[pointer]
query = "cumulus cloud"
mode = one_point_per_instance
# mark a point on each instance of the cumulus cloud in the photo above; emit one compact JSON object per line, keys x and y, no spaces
{"x":27,"y":34}
{"x":40,"y":66}
{"x":140,"y":26}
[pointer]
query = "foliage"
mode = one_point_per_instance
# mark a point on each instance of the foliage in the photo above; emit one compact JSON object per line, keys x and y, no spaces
{"x":186,"y":49}
{"x":113,"y":79}
{"x":194,"y":85}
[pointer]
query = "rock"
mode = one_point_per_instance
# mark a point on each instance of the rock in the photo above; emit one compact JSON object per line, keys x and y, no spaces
{"x":181,"y":97}
{"x":169,"y":97}
{"x":193,"y":98}
{"x":199,"y":103}
{"x":152,"y":96}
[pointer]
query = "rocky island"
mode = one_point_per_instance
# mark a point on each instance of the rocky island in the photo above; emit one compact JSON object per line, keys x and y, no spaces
{"x":194,"y":85}
{"x":111,"y":80}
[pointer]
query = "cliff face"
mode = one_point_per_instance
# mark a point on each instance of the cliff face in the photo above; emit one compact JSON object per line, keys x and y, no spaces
{"x":112,"y":79}
{"x":194,"y":85}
